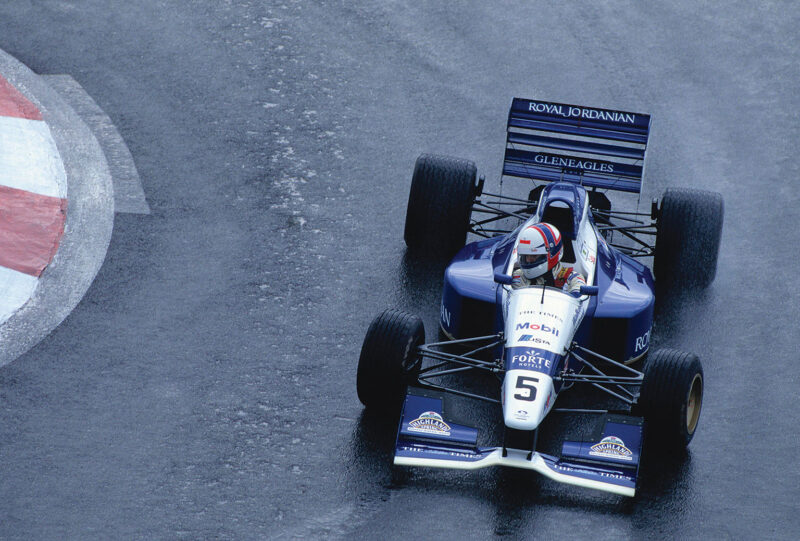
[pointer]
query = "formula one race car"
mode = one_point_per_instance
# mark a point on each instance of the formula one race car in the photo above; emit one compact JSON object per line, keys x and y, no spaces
{"x":540,"y":341}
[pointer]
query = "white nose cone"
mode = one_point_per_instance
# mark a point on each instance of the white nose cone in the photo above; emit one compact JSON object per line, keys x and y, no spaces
{"x":527,"y":398}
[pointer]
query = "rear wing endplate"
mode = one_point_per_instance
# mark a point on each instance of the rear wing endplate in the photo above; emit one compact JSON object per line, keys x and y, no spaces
{"x":598,"y":148}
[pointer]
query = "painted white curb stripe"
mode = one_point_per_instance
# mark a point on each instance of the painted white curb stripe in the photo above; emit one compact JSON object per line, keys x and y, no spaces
{"x":29,"y":159}
{"x":15,"y":290}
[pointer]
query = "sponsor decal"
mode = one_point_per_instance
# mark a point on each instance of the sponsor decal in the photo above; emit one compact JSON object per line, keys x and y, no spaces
{"x":575,"y":317}
{"x":585,"y":471}
{"x":568,"y":111}
{"x":643,"y":341}
{"x":531,"y":338}
{"x":549,"y":397}
{"x":613,"y":475}
{"x":429,"y":422}
{"x":611,"y":447}
{"x":445,"y":316}
{"x":531,"y":360}
{"x":458,"y":454}
{"x":537,"y":327}
{"x":586,"y":255}
{"x":572,"y":163}
{"x":522,"y":415}
{"x":542,"y":313}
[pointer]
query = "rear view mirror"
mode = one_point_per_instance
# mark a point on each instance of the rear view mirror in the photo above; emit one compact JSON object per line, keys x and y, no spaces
{"x":588,"y":290}
{"x":504,"y":279}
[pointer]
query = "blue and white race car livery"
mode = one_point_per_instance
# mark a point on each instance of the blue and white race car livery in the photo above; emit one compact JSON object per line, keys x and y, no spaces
{"x":540,"y":340}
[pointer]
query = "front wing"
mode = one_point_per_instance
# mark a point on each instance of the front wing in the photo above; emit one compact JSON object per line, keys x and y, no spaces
{"x":610,"y":462}
{"x":617,"y":481}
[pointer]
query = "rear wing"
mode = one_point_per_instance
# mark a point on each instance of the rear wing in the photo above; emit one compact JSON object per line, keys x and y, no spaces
{"x":598,"y":148}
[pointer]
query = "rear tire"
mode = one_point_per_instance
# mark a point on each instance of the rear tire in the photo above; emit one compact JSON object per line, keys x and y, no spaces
{"x":440,"y":204}
{"x":671,"y":397}
{"x":688,"y":236}
{"x":389,"y":360}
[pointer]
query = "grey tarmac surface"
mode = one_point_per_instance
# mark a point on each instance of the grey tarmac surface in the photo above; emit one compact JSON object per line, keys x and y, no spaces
{"x":205,"y":385}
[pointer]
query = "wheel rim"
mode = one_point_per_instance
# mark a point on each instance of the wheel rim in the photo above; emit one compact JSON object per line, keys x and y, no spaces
{"x":694,"y":403}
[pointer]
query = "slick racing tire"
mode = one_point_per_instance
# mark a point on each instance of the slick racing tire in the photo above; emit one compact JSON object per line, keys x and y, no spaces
{"x":671,"y":397}
{"x":689,"y":230}
{"x":389,"y":360}
{"x":440,"y":204}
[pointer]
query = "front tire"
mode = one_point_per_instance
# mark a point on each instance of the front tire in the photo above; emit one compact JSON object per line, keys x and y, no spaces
{"x":689,"y":231}
{"x":440,"y":204}
{"x":671,"y":397}
{"x":389,"y":359}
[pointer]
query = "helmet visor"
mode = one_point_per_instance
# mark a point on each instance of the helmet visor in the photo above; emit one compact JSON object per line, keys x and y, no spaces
{"x":529,"y":261}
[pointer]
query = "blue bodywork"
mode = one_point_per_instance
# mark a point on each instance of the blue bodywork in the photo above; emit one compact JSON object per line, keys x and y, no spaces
{"x":617,"y":323}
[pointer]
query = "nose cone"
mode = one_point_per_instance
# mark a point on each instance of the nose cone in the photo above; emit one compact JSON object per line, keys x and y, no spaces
{"x":527,"y":398}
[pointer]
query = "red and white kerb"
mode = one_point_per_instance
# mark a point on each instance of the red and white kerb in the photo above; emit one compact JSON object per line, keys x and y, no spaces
{"x":33,"y":203}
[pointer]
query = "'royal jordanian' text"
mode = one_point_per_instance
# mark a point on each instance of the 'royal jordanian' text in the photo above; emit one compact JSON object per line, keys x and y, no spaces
{"x":581,"y":112}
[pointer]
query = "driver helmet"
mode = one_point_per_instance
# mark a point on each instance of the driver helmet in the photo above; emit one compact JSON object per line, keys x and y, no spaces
{"x":539,"y":249}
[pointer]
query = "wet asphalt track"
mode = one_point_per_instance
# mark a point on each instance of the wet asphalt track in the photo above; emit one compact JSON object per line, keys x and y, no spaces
{"x":205,"y":386}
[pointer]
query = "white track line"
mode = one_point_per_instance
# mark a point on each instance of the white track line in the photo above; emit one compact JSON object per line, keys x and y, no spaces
{"x":29,"y":159}
{"x":15,"y":290}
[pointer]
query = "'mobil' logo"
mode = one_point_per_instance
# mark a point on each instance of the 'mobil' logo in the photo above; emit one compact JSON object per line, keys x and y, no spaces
{"x":537,"y":327}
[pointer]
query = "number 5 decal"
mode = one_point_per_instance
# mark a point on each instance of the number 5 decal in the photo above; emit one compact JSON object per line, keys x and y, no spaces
{"x":528,"y":392}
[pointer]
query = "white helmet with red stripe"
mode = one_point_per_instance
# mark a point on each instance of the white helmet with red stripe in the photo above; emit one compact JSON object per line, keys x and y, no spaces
{"x":539,"y":249}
